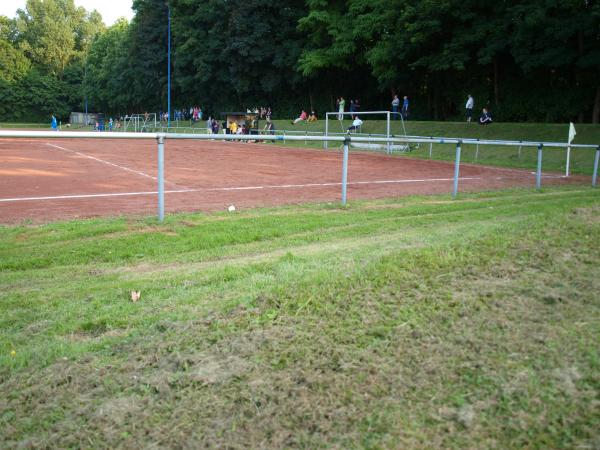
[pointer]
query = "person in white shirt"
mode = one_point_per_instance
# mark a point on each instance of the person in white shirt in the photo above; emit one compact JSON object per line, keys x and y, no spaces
{"x":355,"y":124}
{"x":395,"y":106}
{"x":469,"y":107}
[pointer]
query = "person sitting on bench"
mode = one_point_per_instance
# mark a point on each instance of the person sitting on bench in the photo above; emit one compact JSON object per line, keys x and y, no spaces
{"x":485,"y":118}
{"x":356,"y":123}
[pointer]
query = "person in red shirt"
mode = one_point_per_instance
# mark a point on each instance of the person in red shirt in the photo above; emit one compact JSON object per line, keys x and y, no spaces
{"x":303,"y":117}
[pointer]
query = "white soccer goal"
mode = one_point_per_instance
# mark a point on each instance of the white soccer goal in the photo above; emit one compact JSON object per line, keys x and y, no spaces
{"x":378,"y":124}
{"x":140,"y":122}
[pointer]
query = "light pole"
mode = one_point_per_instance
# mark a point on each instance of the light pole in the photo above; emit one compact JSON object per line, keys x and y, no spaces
{"x":169,"y":70}
{"x":85,"y":94}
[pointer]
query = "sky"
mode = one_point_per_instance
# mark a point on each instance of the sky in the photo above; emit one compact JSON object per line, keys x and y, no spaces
{"x":111,"y":10}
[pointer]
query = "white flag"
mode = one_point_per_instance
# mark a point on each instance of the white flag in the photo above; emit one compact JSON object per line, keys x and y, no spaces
{"x":572,"y":132}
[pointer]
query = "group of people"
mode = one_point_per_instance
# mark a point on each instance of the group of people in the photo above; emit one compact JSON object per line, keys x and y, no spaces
{"x":264,"y":112}
{"x":304,"y":117}
{"x":235,"y":128}
{"x":484,"y":119}
{"x":212,"y":126}
{"x":100,"y":125}
{"x":193,"y":114}
{"x":340,"y":105}
{"x":396,"y":113}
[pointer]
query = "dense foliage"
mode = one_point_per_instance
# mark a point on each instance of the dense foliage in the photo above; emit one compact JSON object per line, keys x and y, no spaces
{"x":527,"y":61}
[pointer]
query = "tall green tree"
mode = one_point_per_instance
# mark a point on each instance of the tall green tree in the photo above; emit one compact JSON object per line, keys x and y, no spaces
{"x":557,"y":44}
{"x":234,"y":54}
{"x":13,"y":63}
{"x":146,"y":68}
{"x":52,"y":33}
{"x":107,"y":85}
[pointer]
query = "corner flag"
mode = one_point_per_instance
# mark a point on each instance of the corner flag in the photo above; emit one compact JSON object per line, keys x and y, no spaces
{"x":572,"y":132}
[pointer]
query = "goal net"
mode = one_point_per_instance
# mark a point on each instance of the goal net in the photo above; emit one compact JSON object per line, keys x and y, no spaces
{"x":377,"y":124}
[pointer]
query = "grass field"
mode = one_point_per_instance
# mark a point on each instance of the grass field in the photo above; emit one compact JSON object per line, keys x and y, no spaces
{"x":401,"y":323}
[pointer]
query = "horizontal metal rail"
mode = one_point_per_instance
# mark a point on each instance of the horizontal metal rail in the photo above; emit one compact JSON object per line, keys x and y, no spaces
{"x":446,"y":140}
{"x":270,"y":137}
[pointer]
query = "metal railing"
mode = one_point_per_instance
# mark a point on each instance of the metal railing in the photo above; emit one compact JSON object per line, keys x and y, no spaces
{"x":346,"y":140}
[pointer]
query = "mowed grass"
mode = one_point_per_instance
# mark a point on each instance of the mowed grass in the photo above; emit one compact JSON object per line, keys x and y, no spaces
{"x":402,"y":323}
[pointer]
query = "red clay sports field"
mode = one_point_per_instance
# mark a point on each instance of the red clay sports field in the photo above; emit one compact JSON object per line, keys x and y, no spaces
{"x":43,"y":180}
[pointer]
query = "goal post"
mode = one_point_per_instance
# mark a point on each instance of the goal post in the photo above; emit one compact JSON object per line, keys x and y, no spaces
{"x":377,"y":124}
{"x":140,"y":122}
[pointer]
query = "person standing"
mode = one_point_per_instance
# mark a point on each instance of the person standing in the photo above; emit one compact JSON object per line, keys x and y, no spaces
{"x":54,"y":123}
{"x":342,"y":104}
{"x":395,"y":107}
{"x":469,"y":108}
{"x":405,"y":108}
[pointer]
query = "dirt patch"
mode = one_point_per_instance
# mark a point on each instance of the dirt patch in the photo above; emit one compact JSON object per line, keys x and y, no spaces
{"x":118,"y":410}
{"x":588,"y":215}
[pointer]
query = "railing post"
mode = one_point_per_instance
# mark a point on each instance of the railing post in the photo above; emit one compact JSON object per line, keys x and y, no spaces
{"x":389,"y":147}
{"x":325,"y":143}
{"x":538,"y":176}
{"x":456,"y":169}
{"x":161,"y":177}
{"x":595,"y":175}
{"x":430,"y":149}
{"x":345,"y":170}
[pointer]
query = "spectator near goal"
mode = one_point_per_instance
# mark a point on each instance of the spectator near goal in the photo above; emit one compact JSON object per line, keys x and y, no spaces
{"x":405,"y":108}
{"x":469,"y":108}
{"x":356,"y":123}
{"x":395,"y":107}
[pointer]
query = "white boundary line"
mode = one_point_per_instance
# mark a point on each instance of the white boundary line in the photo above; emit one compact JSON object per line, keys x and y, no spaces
{"x":241,"y":188}
{"x":107,"y":162}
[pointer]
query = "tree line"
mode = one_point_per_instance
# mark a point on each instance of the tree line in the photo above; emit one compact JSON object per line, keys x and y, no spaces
{"x":527,"y":60}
